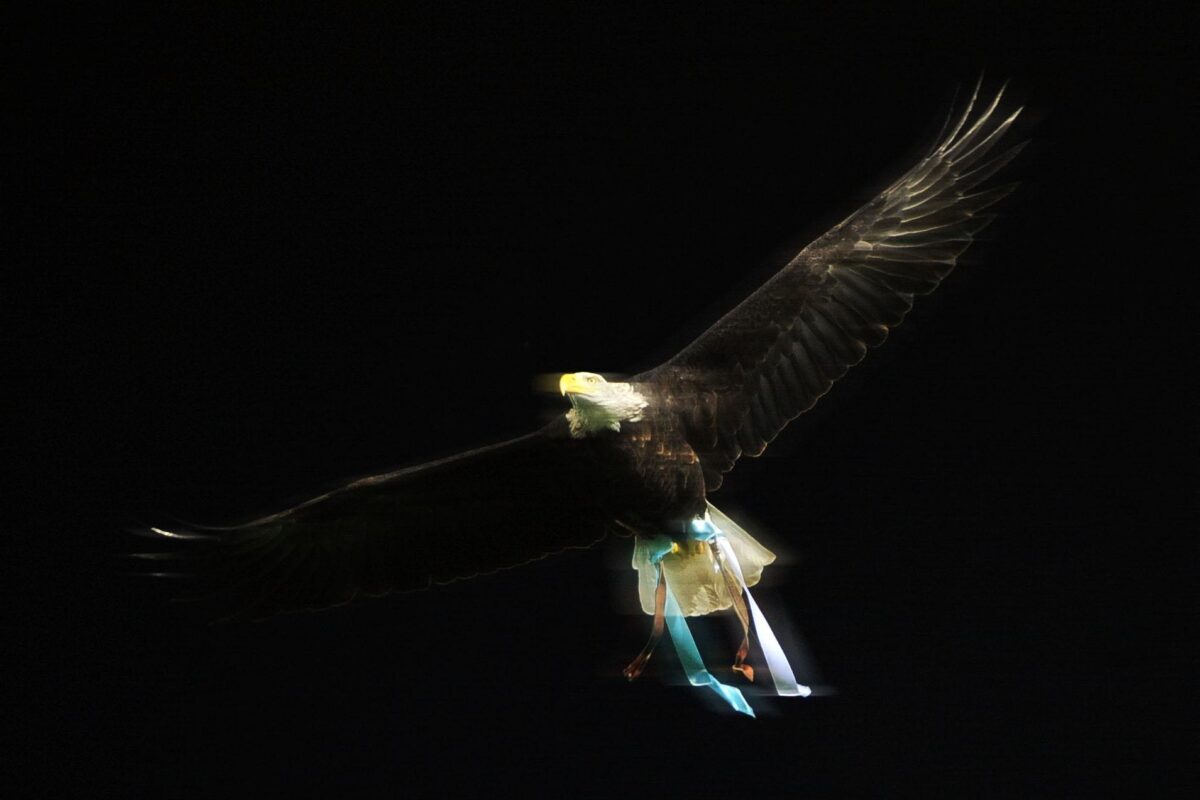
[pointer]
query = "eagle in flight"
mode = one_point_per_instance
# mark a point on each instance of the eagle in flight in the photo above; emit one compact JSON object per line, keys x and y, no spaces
{"x":642,"y":456}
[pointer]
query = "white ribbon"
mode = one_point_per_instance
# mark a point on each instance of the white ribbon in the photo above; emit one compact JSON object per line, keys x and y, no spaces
{"x":781,"y":670}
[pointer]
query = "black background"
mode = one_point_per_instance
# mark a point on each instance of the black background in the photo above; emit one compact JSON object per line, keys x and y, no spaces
{"x":259,"y":252}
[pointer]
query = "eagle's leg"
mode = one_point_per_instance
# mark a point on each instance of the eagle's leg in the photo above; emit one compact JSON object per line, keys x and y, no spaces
{"x":702,"y":529}
{"x":743,"y":615}
{"x":660,"y":603}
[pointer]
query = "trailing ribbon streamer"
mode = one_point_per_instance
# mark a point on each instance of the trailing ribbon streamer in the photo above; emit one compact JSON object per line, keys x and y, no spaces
{"x":693,"y":665}
{"x":660,"y":603}
{"x":781,"y":670}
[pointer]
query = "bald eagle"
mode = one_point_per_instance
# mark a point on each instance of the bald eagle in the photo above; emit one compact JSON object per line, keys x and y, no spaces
{"x":643,"y":456}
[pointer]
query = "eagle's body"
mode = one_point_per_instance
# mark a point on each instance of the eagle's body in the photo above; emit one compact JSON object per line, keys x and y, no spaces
{"x":641,"y":456}
{"x":654,"y":477}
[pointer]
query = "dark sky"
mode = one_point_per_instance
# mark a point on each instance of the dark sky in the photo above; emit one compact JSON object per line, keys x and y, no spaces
{"x":260,"y":252}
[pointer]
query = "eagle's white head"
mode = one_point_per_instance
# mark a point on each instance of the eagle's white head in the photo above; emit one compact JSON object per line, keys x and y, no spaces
{"x":598,"y":405}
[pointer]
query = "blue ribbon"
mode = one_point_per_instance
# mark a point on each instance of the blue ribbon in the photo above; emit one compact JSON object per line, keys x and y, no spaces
{"x":693,"y":665}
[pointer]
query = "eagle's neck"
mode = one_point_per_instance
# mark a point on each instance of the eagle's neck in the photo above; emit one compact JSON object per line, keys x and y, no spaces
{"x":619,"y":403}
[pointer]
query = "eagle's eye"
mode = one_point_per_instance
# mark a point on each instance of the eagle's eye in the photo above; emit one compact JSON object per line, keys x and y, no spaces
{"x":593,"y":379}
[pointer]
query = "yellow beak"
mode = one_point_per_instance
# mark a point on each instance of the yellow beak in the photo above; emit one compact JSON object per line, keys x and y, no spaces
{"x":572,"y":384}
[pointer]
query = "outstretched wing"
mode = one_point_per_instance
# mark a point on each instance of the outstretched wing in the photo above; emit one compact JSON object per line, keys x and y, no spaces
{"x":772,"y":357}
{"x":473,"y":513}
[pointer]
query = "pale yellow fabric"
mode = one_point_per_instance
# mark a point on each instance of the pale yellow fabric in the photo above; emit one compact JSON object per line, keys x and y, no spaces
{"x":691,"y":569}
